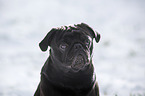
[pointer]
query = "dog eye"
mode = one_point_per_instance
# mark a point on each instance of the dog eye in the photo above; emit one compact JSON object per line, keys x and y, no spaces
{"x":87,"y":42}
{"x":63,"y":46}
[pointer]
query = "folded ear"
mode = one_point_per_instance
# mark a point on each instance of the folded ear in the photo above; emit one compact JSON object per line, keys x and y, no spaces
{"x":47,"y":40}
{"x":94,"y":34}
{"x":97,"y":36}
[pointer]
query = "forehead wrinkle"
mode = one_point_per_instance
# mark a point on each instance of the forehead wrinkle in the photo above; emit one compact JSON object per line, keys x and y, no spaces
{"x":60,"y":34}
{"x":69,"y":31}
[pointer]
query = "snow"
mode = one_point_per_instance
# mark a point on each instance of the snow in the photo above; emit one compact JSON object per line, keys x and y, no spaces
{"x":119,"y":58}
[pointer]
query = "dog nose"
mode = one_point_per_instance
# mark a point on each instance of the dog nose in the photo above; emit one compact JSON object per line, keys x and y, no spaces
{"x":78,"y":46}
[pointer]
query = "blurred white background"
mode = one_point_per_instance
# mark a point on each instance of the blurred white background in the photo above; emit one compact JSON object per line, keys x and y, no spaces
{"x":119,"y":57}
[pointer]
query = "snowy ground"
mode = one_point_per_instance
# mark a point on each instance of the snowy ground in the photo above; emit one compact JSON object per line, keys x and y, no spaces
{"x":119,"y":58}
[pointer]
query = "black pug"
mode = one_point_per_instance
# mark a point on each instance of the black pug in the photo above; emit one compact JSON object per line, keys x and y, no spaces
{"x":69,"y":71}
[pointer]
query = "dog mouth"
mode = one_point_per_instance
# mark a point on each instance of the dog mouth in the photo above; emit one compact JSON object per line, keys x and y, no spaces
{"x":79,"y":62}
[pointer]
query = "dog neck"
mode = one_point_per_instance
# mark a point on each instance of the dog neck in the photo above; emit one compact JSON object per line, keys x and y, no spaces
{"x":58,"y":77}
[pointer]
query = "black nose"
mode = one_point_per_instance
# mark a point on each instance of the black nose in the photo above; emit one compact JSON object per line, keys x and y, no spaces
{"x":78,"y":46}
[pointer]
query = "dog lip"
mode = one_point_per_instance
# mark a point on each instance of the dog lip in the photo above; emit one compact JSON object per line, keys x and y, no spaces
{"x":79,"y":62}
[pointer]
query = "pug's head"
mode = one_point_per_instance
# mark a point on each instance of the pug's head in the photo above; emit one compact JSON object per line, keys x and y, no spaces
{"x":71,"y":46}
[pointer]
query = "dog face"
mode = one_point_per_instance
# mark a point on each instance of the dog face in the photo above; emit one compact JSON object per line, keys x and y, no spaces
{"x":71,"y":46}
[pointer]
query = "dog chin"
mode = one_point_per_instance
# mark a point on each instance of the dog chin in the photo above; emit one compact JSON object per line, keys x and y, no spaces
{"x":79,"y":62}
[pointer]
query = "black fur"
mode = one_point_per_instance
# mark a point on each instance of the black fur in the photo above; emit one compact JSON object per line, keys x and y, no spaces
{"x":69,"y":71}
